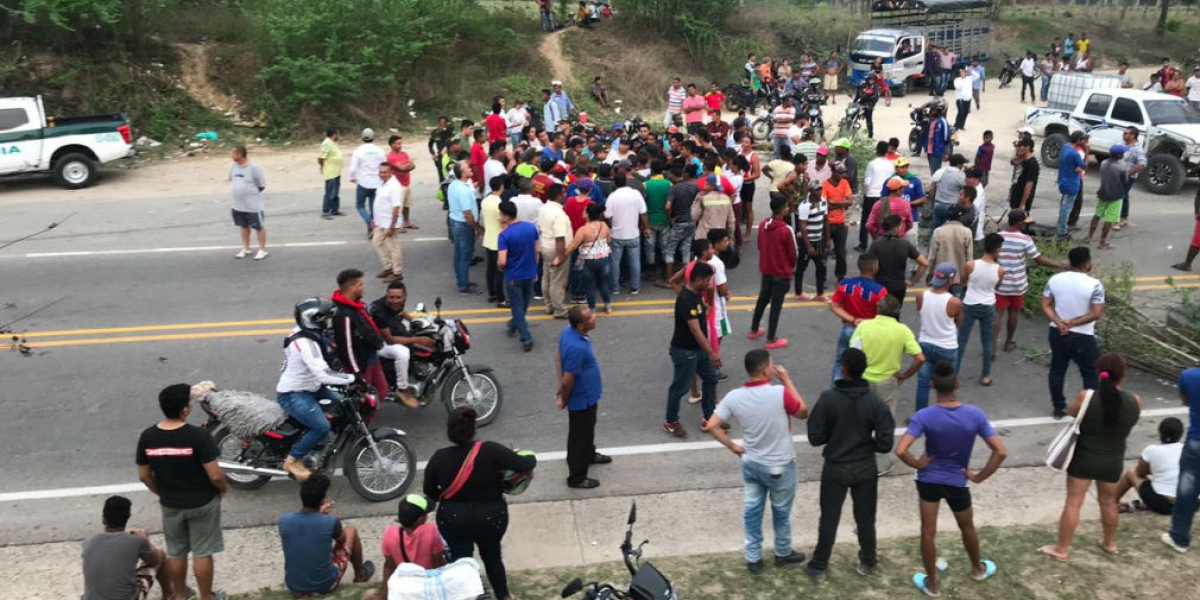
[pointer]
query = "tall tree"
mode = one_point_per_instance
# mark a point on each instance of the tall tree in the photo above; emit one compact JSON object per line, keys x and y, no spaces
{"x":1162,"y":15}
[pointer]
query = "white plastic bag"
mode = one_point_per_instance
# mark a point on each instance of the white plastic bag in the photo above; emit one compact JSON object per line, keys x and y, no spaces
{"x":458,"y":580}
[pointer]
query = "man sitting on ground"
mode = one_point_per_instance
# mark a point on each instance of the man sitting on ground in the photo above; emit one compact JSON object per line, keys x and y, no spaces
{"x":316,"y":548}
{"x":120,"y":564}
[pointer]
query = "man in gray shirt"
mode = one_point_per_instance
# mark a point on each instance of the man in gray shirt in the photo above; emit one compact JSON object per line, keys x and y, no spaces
{"x":248,"y":183}
{"x":120,"y":564}
{"x":947,"y":182}
{"x":1111,"y":194}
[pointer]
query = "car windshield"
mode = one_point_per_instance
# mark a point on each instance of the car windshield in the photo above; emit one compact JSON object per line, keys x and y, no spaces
{"x":873,"y":45}
{"x":1171,"y":112}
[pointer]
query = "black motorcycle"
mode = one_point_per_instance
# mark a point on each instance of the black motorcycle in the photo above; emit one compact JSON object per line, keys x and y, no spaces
{"x":851,"y":123}
{"x":810,"y":102}
{"x":741,"y":97}
{"x":919,"y":117}
{"x":1012,"y":70}
{"x":648,"y":582}
{"x":441,"y":373}
{"x":379,"y":463}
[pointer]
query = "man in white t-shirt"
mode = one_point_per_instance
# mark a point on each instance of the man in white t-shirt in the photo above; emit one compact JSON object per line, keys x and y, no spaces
{"x":494,"y":166}
{"x":1193,"y":88}
{"x":517,"y":118}
{"x":1028,"y":69}
{"x":364,"y":173}
{"x":964,"y":94}
{"x":1073,"y":301}
{"x":387,"y":223}
{"x":528,"y":205}
{"x":1156,"y":474}
{"x":768,"y":455}
{"x":627,"y":210}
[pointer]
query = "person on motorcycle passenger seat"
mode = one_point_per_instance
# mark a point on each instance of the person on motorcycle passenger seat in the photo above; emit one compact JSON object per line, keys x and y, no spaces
{"x":389,"y":316}
{"x":795,"y":85}
{"x":303,"y":379}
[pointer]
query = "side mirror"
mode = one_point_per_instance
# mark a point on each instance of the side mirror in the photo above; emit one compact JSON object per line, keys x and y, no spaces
{"x":420,"y":307}
{"x":437,"y":303}
{"x":633,"y":513}
{"x":572,"y":588}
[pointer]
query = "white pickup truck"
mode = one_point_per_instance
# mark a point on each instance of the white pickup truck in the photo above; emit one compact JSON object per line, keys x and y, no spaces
{"x":70,"y":147}
{"x":1169,"y":131}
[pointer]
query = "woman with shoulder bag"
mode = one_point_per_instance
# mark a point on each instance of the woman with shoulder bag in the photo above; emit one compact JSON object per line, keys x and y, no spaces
{"x":467,"y":478}
{"x":592,"y":241}
{"x":1099,"y":455}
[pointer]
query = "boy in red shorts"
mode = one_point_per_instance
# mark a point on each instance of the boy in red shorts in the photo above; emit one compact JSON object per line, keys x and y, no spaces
{"x":1010,"y":292}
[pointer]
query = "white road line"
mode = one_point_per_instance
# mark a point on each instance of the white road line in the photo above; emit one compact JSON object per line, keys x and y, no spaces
{"x":200,"y":248}
{"x":553,"y":456}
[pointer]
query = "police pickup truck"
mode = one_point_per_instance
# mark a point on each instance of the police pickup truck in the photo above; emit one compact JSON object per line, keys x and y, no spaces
{"x":70,"y":147}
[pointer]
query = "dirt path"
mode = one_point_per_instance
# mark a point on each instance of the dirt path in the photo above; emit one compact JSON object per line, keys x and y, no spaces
{"x":194,"y":74}
{"x":551,"y":49}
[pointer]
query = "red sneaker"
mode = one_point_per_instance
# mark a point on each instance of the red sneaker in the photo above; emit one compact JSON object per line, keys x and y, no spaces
{"x":675,"y":429}
{"x":776,"y":344}
{"x":754,"y":335}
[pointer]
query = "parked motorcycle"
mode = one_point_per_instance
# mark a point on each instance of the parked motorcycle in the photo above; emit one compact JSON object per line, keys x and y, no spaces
{"x":253,"y":435}
{"x":851,"y":122}
{"x":739,"y":96}
{"x":762,"y":125}
{"x":648,"y":582}
{"x":1012,"y":70}
{"x":441,"y":373}
{"x":810,"y":102}
{"x":919,"y":117}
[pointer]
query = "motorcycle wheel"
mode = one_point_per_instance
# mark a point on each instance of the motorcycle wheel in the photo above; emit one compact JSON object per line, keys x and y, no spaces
{"x":733,"y":97}
{"x":914,"y":142}
{"x":367,"y":481}
{"x":228,"y":448}
{"x":456,"y":393}
{"x":761,"y":130}
{"x":1005,"y":79}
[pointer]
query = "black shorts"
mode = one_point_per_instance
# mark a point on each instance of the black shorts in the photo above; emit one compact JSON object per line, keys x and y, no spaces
{"x":1153,"y":500}
{"x":253,"y":220}
{"x":957,"y":498}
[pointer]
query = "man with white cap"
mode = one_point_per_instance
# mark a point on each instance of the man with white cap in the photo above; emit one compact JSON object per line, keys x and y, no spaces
{"x":364,"y":172}
{"x":1111,"y":194}
{"x":560,"y":98}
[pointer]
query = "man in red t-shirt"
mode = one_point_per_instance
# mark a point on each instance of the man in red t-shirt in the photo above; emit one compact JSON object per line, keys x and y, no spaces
{"x":496,"y":124}
{"x":855,"y":300}
{"x":403,"y":167}
{"x":836,"y":191}
{"x":543,"y":180}
{"x":714,"y":99}
{"x":479,"y":155}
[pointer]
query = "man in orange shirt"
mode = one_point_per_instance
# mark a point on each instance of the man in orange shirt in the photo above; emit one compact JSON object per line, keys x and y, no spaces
{"x":836,"y":191}
{"x":714,"y":98}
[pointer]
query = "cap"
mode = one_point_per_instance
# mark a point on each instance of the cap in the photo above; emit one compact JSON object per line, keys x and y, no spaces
{"x":814,"y":184}
{"x":368,"y":134}
{"x":411,"y":509}
{"x":901,"y":162}
{"x":842,"y":143}
{"x":1078,"y":136}
{"x":1118,"y":149}
{"x":1018,"y":216}
{"x":822,"y":151}
{"x":624,"y":164}
{"x":584,"y":185}
{"x":673,"y":129}
{"x":896,"y":183}
{"x":618,"y":127}
{"x":555,"y":82}
{"x":943,"y":274}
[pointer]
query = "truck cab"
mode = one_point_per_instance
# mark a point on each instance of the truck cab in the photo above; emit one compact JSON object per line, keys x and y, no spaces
{"x":70,"y":147}
{"x":902,"y":51}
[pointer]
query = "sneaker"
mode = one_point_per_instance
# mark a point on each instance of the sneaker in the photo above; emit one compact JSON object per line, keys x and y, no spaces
{"x":754,"y":335}
{"x":865,"y":569}
{"x":587,"y":484}
{"x":384,"y":273}
{"x":860,"y":249}
{"x":776,"y":344}
{"x":817,"y":575}
{"x":1059,"y":414}
{"x":538,"y":297}
{"x":755,"y":567}
{"x":472,"y":290}
{"x":791,"y":559}
{"x":675,"y":429}
{"x":242,"y":254}
{"x":804,"y":297}
{"x":527,"y":346}
{"x":886,"y":470}
{"x":261,"y":254}
{"x":616,"y":292}
{"x":722,"y":377}
{"x":578,"y":299}
{"x":1170,"y":541}
{"x":634,"y":292}
{"x":694,"y":399}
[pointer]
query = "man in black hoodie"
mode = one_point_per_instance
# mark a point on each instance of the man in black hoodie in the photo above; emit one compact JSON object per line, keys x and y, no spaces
{"x":853,"y":424}
{"x":355,"y":335}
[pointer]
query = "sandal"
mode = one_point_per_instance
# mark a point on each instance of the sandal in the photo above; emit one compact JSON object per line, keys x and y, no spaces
{"x":919,"y":581}
{"x":986,"y":382}
{"x":1009,"y":346}
{"x":989,"y":569}
{"x":368,"y":571}
{"x":1049,"y":550}
{"x":1181,"y":267}
{"x":1100,"y":544}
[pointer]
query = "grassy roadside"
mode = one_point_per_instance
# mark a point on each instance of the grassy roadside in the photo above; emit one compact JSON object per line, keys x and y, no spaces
{"x":1144,"y":569}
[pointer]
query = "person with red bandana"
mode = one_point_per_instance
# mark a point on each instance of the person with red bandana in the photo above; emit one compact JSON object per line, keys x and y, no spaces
{"x":356,"y":338}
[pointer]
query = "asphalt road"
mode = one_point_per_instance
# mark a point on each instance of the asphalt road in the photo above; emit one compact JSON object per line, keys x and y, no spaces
{"x":132,"y":293}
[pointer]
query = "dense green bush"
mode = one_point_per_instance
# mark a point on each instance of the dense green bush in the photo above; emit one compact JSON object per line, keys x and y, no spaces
{"x":699,"y":23}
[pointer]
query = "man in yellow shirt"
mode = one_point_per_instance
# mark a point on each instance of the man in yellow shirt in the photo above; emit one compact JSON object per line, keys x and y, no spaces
{"x":489,"y":215}
{"x":885,"y":341}
{"x":329,"y":161}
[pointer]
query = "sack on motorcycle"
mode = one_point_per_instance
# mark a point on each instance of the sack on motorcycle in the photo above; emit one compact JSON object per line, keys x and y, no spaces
{"x":246,"y":414}
{"x":458,"y":580}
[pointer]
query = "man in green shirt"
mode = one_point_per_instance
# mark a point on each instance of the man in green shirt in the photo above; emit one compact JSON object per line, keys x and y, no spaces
{"x":654,"y":241}
{"x":885,"y":341}
{"x":329,"y":161}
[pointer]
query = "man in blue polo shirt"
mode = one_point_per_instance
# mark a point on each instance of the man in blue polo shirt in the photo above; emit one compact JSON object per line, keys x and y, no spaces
{"x":518,"y":247}
{"x":579,"y":390}
{"x":1188,"y":488}
{"x":464,"y":227}
{"x":1072,"y":164}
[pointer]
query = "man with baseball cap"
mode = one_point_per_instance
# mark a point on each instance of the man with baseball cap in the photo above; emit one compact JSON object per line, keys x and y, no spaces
{"x":913,"y":193}
{"x":364,"y":173}
{"x":1072,"y":164}
{"x":1110,"y":195}
{"x":892,"y":204}
{"x":415,"y":540}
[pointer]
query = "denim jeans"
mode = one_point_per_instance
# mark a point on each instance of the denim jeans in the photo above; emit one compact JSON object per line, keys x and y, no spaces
{"x":862,"y":482}
{"x":686,"y":365}
{"x":655,"y":244}
{"x":594,"y":278}
{"x":464,"y":249}
{"x":679,"y":238}
{"x":864,"y":238}
{"x":843,"y":342}
{"x":777,"y":144}
{"x":547,"y":20}
{"x":364,"y":200}
{"x":935,"y":161}
{"x":1065,"y":206}
{"x":519,"y":293}
{"x":331,"y":202}
{"x":1186,"y":493}
{"x":303,"y":407}
{"x":933,"y":355}
{"x":1078,"y":347}
{"x":629,"y":252}
{"x":772,"y":290}
{"x":985,"y":314}
{"x":939,"y":216}
{"x":761,"y":481}
{"x":1045,"y":86}
{"x":1125,"y":200}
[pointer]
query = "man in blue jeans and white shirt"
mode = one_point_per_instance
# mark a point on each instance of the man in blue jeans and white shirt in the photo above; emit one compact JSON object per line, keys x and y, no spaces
{"x":1187,"y":491}
{"x":767,"y":452}
{"x":1073,"y":301}
{"x":464,"y":227}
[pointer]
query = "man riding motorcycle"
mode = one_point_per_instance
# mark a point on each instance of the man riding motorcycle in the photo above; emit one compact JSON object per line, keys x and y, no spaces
{"x":303,"y":379}
{"x":389,"y":316}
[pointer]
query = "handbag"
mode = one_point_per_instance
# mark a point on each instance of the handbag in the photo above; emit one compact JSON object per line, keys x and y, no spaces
{"x":1062,"y":449}
{"x":577,"y":266}
{"x":464,"y":473}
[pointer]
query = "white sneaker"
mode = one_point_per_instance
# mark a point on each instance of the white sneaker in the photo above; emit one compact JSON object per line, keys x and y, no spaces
{"x":261,"y":254}
{"x":1170,"y":541}
{"x":242,"y":254}
{"x":694,"y":399}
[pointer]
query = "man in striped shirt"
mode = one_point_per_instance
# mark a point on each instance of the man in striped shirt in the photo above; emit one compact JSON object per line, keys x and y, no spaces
{"x":812,"y":233}
{"x":783,"y":116}
{"x":1010,"y":292}
{"x":675,"y":95}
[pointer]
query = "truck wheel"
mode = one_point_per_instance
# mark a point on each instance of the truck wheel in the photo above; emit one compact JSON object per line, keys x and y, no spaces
{"x":1164,"y":174}
{"x":903,"y":89}
{"x":74,"y":171}
{"x":1051,"y":149}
